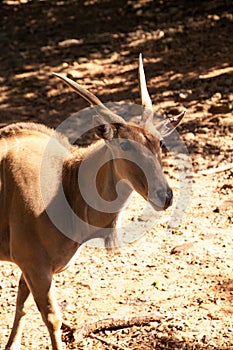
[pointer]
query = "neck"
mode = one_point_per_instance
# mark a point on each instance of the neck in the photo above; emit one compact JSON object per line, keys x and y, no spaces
{"x":89,"y":182}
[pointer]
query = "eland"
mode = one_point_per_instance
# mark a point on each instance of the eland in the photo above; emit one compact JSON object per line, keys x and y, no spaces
{"x":45,"y":216}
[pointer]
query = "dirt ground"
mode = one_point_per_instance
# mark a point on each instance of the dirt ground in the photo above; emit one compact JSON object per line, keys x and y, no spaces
{"x":181,"y":274}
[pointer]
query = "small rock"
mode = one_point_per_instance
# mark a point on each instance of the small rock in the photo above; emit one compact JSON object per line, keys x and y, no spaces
{"x":74,"y":74}
{"x":227,"y":122}
{"x":216,"y":97}
{"x":183,"y":95}
{"x":190,"y":136}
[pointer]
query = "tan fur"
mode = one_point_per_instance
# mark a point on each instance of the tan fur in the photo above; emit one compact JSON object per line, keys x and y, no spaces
{"x":39,"y":230}
{"x":28,"y":237}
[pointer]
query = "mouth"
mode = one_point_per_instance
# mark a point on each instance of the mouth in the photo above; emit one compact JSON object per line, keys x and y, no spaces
{"x":159,"y":207}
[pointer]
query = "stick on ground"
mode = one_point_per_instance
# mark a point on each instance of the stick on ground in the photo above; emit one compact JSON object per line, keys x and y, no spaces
{"x":116,"y":323}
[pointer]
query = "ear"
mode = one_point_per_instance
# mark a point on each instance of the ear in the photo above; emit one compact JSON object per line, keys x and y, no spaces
{"x":167,"y":126}
{"x":103,"y":129}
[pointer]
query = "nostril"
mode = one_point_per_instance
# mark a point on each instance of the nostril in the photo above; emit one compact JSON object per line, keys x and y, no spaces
{"x":165,"y":197}
{"x":169,"y":197}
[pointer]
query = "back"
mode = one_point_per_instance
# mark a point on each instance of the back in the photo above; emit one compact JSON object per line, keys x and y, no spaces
{"x":22,"y":149}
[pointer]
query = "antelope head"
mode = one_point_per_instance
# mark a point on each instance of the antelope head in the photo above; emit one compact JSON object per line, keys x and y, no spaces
{"x":135,"y":149}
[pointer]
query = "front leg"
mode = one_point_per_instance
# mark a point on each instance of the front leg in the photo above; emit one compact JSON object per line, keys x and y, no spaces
{"x":14,"y":341}
{"x":41,"y":286}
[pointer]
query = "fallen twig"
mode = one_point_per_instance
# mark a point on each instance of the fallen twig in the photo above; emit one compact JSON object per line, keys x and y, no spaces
{"x":182,"y":247}
{"x":116,"y":323}
{"x":215,"y":170}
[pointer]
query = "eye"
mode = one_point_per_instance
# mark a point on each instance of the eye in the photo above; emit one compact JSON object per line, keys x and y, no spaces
{"x":126,"y":145}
